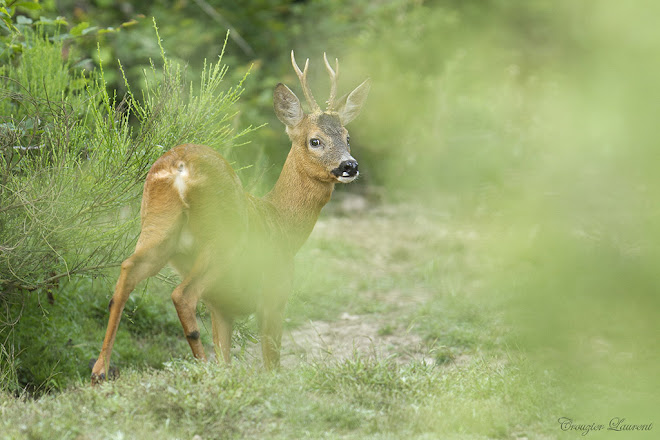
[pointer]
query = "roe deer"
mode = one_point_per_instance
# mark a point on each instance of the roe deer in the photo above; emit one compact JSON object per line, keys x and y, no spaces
{"x":233,"y":250}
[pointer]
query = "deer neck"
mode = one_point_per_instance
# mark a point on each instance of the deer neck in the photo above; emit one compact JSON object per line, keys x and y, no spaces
{"x":298,"y":199}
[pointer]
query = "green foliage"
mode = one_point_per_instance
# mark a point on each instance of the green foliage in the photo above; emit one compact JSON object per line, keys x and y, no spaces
{"x":59,"y":333}
{"x":73,"y":158}
{"x":45,"y":143}
{"x":20,"y":19}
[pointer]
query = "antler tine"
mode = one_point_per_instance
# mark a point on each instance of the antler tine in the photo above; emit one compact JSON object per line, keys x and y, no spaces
{"x":333,"y":80}
{"x":302,"y":76}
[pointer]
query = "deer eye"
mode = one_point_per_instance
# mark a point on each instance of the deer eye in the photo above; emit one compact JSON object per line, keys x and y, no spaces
{"x":348,"y":140}
{"x":314,"y":143}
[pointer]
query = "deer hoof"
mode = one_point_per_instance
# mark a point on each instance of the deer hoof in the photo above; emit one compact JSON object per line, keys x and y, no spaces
{"x":98,"y":379}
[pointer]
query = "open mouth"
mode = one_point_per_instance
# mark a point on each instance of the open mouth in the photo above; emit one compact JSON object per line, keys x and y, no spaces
{"x":347,"y":177}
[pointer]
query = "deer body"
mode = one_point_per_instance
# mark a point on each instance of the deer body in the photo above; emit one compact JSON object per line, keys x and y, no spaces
{"x":233,"y":250}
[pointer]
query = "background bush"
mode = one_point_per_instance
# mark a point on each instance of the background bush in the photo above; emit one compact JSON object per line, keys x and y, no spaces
{"x":74,"y":158}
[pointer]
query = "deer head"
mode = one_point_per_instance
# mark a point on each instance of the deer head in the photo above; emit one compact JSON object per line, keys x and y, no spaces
{"x":320,"y":140}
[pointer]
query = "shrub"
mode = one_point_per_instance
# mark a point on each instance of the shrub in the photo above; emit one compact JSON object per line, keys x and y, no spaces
{"x":72,"y":161}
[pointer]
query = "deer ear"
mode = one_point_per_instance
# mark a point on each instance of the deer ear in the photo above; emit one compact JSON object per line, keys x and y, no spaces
{"x":350,"y":105}
{"x":287,"y":106}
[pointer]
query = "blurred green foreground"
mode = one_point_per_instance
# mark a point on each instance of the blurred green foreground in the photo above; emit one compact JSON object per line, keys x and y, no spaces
{"x":538,"y":121}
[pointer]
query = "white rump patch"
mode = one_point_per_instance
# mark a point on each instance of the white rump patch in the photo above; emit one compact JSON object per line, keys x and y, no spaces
{"x":180,"y":178}
{"x":178,"y":175}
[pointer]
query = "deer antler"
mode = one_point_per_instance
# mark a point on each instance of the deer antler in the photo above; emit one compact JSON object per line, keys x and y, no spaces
{"x":302,"y":76}
{"x":334,"y":74}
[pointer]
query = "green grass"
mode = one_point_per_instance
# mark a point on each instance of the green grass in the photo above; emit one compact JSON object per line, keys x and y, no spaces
{"x":356,"y":398}
{"x":461,"y":381}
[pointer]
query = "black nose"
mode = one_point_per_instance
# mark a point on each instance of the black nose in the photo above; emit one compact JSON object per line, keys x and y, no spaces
{"x":348,"y":168}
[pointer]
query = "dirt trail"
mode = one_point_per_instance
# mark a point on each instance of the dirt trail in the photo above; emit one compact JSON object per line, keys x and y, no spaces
{"x":341,"y":339}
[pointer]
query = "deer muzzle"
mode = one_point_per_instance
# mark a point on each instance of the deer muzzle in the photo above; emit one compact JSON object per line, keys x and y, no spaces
{"x":347,"y":171}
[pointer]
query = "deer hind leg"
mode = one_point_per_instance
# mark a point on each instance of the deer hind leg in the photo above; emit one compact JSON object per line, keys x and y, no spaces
{"x":222,"y":329}
{"x":145,"y":262}
{"x":185,"y":298}
{"x":161,"y":225}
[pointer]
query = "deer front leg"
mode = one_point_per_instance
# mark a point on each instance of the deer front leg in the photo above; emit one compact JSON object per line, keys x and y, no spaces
{"x":271,"y":317}
{"x":222,"y":328}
